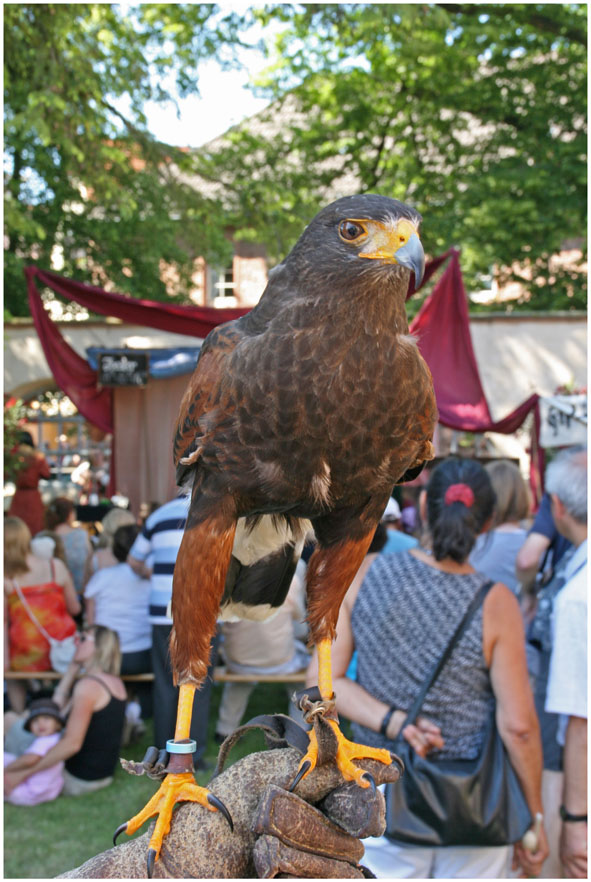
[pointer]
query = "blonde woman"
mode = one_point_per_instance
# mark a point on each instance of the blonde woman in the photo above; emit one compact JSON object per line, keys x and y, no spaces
{"x":34,"y":588}
{"x":94,"y":704}
{"x":495,"y":552}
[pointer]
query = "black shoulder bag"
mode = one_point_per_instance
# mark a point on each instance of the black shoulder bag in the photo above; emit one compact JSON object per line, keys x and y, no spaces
{"x":456,"y":802}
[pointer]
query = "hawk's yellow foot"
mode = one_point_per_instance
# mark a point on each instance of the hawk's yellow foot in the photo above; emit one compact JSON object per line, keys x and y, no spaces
{"x":175,"y":788}
{"x":346,"y":752}
{"x":178,"y":785}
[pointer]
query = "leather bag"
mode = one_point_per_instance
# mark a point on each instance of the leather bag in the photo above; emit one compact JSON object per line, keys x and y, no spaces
{"x":456,"y":802}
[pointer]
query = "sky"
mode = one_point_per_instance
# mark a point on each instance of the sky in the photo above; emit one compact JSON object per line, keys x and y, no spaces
{"x":224,"y":101}
{"x":224,"y":98}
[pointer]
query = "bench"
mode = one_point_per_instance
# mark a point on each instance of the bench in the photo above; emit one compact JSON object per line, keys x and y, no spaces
{"x":220,"y":675}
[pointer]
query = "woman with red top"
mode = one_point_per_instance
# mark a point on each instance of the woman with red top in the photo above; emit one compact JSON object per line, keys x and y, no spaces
{"x":27,"y":503}
{"x":43,"y":587}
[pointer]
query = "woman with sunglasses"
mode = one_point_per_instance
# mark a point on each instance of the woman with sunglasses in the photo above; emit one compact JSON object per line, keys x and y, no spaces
{"x":94,"y":704}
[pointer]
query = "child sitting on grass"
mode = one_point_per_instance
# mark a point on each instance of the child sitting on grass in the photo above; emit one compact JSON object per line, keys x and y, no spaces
{"x":45,"y":722}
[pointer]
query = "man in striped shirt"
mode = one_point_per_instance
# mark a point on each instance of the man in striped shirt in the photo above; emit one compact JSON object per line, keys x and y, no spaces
{"x":153,"y":556}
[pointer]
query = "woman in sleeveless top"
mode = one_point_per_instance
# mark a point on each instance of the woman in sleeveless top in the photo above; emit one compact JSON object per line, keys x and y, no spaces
{"x":47,"y":589}
{"x":95,"y":715}
{"x":399,"y":615}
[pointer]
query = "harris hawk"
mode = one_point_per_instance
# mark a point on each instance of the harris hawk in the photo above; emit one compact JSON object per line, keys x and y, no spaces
{"x":307,"y":410}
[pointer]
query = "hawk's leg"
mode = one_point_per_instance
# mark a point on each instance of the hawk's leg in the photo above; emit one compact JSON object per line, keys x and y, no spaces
{"x":199,"y":579}
{"x":330,"y":572}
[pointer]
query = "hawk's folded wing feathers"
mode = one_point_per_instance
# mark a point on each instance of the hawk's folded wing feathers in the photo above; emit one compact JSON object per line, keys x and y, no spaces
{"x":206,"y":393}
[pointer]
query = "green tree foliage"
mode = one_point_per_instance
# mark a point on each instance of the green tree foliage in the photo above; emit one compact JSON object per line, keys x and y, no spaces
{"x":14,"y":418}
{"x":474,"y":113}
{"x":83,"y":177}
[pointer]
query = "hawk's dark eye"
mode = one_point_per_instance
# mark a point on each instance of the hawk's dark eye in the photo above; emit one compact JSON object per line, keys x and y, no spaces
{"x":350,"y":230}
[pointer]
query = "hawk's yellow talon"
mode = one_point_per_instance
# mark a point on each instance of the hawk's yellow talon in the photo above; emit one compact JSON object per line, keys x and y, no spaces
{"x":175,"y":788}
{"x":346,"y":752}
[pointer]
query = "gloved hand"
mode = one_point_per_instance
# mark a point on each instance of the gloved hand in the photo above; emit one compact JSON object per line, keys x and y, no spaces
{"x":298,"y":839}
{"x":314,"y":832}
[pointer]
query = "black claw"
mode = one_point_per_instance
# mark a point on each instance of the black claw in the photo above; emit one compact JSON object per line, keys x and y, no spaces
{"x":302,"y":771}
{"x":151,"y":861}
{"x":372,"y":783}
{"x":219,"y":805}
{"x":120,"y":829}
{"x":398,"y":762}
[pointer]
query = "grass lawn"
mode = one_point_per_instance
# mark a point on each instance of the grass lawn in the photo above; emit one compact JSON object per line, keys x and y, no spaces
{"x":43,"y":841}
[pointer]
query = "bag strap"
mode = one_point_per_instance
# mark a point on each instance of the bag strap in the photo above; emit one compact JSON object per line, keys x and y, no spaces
{"x":475,"y":603}
{"x":31,"y":614}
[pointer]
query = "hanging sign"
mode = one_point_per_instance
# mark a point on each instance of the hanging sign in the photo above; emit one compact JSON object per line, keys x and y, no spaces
{"x":123,"y":368}
{"x":563,"y":420}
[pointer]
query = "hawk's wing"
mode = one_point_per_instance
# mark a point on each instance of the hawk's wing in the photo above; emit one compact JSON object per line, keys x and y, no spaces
{"x":207,"y":391}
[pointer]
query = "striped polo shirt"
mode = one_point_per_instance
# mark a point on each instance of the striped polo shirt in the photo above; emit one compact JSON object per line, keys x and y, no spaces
{"x":160,"y":540}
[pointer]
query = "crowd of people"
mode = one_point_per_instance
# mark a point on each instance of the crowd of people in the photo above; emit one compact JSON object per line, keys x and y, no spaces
{"x":520,"y":660}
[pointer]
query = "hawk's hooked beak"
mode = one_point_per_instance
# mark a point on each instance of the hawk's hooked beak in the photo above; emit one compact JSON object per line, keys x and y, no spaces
{"x":399,"y":245}
{"x":412,"y":256}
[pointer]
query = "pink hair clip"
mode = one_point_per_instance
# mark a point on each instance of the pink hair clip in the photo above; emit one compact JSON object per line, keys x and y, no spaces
{"x":459,"y":493}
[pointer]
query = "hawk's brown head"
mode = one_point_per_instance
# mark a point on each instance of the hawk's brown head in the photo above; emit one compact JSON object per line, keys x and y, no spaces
{"x":358,"y":229}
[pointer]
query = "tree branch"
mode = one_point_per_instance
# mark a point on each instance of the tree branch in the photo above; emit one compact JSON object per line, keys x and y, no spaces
{"x":529,"y":16}
{"x":378,"y":157}
{"x":142,"y":135}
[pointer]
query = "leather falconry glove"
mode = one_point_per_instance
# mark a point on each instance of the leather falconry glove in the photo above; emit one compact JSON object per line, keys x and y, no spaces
{"x":312,"y":832}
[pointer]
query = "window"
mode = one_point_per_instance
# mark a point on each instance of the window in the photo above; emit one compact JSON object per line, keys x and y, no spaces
{"x":220,"y":287}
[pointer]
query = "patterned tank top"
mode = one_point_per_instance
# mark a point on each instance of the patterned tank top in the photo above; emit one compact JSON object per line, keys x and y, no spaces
{"x":403,"y":618}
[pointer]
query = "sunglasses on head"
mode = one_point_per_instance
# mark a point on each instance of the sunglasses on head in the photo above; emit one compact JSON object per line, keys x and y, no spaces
{"x":82,"y":636}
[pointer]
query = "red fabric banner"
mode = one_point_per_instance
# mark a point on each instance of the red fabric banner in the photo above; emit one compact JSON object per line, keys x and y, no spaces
{"x":72,"y":373}
{"x":443,"y":330}
{"x":193,"y":321}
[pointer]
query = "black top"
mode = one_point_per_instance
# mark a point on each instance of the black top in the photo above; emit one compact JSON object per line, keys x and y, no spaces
{"x":98,"y":755}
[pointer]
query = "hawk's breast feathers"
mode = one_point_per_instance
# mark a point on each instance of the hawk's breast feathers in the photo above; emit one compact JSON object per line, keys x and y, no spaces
{"x":318,"y":396}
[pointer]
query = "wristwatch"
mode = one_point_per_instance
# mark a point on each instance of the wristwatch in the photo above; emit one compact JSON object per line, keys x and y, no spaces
{"x":566,"y":816}
{"x":386,"y":720}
